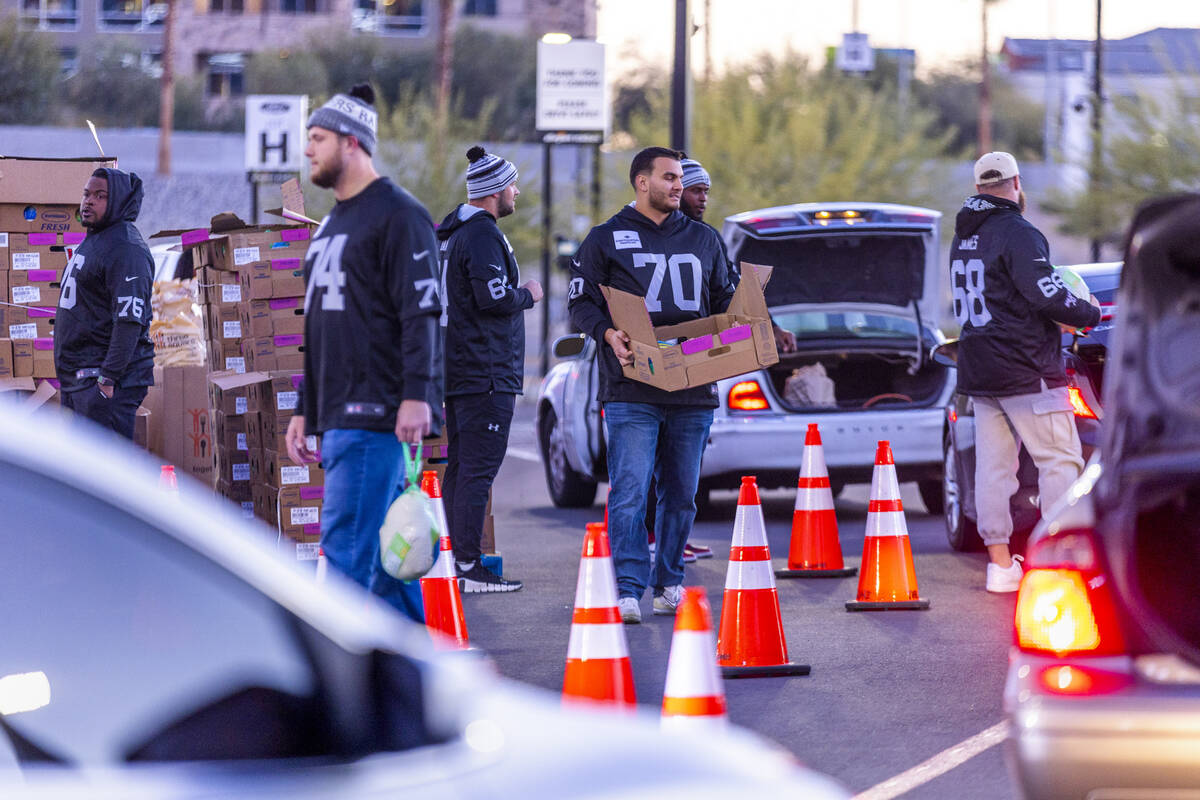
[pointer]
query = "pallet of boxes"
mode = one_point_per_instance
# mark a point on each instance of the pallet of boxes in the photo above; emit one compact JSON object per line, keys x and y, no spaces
{"x":39,"y":230}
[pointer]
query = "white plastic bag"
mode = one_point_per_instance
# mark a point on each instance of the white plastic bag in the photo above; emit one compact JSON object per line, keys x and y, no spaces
{"x":408,"y":538}
{"x":809,"y":387}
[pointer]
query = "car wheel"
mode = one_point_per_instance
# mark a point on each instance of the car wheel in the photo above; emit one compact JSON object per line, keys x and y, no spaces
{"x":933,"y":495}
{"x":960,"y":531}
{"x":568,"y":488}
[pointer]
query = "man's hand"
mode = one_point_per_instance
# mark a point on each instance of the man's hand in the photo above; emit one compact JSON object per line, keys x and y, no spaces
{"x":413,"y":421}
{"x":107,"y":391}
{"x":619,"y":342}
{"x":535,"y":289}
{"x":785,"y":341}
{"x":298,"y":450}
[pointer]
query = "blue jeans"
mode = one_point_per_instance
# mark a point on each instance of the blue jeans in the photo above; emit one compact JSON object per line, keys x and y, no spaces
{"x":364,"y":473}
{"x":639,"y":436}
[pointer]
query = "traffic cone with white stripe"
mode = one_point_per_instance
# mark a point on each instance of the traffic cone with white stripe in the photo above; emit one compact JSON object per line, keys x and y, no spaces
{"x":439,"y":586}
{"x":694,"y":697}
{"x":598,"y":666}
{"x":888,"y":580}
{"x":815,"y":551}
{"x":322,"y":565}
{"x":751,"y":643}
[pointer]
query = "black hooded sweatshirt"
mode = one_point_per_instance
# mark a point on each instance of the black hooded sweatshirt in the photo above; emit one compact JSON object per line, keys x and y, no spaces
{"x":484,"y":306}
{"x":1007,"y":299}
{"x":102,"y":325}
{"x":680,"y":268}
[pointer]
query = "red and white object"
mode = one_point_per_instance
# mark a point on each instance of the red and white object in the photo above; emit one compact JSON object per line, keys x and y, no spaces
{"x":815,"y":551}
{"x":694,"y":696}
{"x":439,"y":587}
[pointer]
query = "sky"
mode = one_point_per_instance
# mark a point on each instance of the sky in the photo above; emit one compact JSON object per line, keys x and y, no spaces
{"x":941,"y":31}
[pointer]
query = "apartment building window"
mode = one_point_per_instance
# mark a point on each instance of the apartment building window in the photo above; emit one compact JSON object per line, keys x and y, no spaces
{"x":226,"y":6}
{"x":50,"y":14}
{"x":479,"y":8}
{"x":128,"y":15}
{"x":391,"y":17}
{"x":68,"y":58}
{"x":224,"y":74}
{"x":301,"y":6}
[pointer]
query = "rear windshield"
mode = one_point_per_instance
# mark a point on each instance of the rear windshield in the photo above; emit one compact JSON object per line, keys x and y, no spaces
{"x":840,"y":268}
{"x":807,"y":325}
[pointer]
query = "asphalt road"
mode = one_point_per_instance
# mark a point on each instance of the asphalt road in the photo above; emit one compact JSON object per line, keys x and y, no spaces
{"x":888,"y":691}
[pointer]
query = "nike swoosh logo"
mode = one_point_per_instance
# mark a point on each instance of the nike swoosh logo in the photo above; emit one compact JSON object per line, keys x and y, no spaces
{"x":1041,"y":259}
{"x":496,"y":267}
{"x":575,"y":262}
{"x":131,"y":278}
{"x":420,"y":255}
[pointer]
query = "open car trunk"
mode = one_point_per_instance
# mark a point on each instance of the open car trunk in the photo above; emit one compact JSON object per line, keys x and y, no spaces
{"x":856,"y":379}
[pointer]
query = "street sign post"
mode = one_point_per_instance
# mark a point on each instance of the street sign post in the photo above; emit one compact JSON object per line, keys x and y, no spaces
{"x":274,"y":140}
{"x":855,"y":54}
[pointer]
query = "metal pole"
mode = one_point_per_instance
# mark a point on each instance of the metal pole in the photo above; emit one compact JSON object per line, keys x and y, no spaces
{"x":253,"y":198}
{"x":985,"y":91}
{"x":596,"y":208}
{"x":546,"y":224}
{"x":1097,"y":116}
{"x":166,"y":92}
{"x":681,"y":77}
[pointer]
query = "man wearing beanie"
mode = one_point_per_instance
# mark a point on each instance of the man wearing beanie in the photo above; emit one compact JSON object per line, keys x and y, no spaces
{"x":485,"y":354}
{"x":1008,"y":299}
{"x":372,"y":370}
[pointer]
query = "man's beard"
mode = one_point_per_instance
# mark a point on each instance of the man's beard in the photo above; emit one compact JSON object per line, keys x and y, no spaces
{"x":506,"y":208}
{"x":1021,"y":201}
{"x":691,"y":211}
{"x":661,"y":201}
{"x":329,"y":176}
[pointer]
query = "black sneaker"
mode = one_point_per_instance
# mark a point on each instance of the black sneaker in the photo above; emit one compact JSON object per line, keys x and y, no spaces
{"x":481,"y":579}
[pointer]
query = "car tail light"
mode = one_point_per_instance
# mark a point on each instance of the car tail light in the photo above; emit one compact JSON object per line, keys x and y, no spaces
{"x":1107,"y":311}
{"x":1064,"y":604}
{"x":747,"y":396}
{"x":1079,"y":405}
{"x":1071,"y":679}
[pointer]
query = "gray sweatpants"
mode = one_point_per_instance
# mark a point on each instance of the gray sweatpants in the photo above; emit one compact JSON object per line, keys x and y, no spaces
{"x":1042,"y":421}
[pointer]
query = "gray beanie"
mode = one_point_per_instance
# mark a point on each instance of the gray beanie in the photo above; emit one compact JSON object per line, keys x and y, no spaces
{"x":693,"y":173}
{"x":488,"y":173}
{"x":349,"y":115}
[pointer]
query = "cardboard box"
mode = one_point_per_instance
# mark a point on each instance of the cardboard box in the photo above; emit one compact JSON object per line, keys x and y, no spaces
{"x":31,"y":322}
{"x":281,"y":473}
{"x":219,"y":361}
{"x":34,"y":287}
{"x":48,"y":389}
{"x":273,"y":428}
{"x":287,"y":276}
{"x":299,"y":507}
{"x":278,"y":394}
{"x":33,"y":358}
{"x":277,"y":353}
{"x":42,"y":195}
{"x":6,"y":359}
{"x":225,"y":323}
{"x":234,"y":393}
{"x":230,"y":430}
{"x":4,"y":262}
{"x":233,"y":466}
{"x":36,"y":251}
{"x":255,"y":280}
{"x":275,"y":317}
{"x":188,"y":440}
{"x":153,"y":403}
{"x":4,"y":273}
{"x":714,"y":347}
{"x":220,"y":287}
{"x":240,"y":493}
{"x":141,"y":428}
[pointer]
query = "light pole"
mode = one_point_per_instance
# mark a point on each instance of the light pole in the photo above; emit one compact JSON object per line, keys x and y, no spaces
{"x":1097,"y":116}
{"x":681,"y":77}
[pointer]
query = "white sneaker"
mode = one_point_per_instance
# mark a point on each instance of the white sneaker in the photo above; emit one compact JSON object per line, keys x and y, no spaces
{"x":631,"y":612}
{"x":666,"y":603}
{"x":1001,"y":580}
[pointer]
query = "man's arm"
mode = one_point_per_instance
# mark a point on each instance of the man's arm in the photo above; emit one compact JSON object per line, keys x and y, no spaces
{"x":721,"y":284}
{"x":585,"y":302}
{"x":485,"y":262}
{"x":128,"y":279}
{"x":1035,"y":279}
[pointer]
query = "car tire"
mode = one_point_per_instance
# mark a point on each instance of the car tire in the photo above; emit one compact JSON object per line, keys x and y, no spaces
{"x":567,"y":488}
{"x":961,"y":532}
{"x":933,"y":495}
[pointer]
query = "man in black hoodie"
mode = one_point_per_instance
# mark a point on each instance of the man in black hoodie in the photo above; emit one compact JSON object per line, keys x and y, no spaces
{"x":102,"y":350}
{"x":485,"y":354}
{"x":1009,"y":302}
{"x":650,"y":248}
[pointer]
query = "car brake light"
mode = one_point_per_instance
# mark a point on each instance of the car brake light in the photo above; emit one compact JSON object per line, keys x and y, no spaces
{"x":1107,"y":311}
{"x":1068,"y":679}
{"x":1079,"y":405}
{"x":747,"y":396}
{"x":1064,"y":604}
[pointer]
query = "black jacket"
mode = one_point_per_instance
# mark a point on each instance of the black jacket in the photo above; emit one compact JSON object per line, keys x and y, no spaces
{"x":680,"y":268}
{"x":1007,"y":300}
{"x":483,"y":320}
{"x":102,"y":325}
{"x":371,"y":313}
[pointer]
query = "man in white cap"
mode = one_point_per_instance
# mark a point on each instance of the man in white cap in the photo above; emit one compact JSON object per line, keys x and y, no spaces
{"x":1009,"y":302}
{"x":485,"y":354}
{"x":372,"y":361}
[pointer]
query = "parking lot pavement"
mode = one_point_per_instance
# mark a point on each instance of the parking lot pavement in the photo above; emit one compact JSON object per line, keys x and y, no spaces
{"x":888,"y":691}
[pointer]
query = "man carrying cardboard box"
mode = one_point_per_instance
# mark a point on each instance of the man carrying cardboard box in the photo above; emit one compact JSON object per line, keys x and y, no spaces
{"x":102,"y":349}
{"x":371,"y":364}
{"x":678,"y":265}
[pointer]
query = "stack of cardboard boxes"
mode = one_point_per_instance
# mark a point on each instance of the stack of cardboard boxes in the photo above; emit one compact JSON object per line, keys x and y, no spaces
{"x":39,"y":230}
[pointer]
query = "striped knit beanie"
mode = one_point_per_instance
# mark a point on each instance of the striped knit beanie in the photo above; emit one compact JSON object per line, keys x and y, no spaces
{"x":350,"y":115}
{"x":488,"y":173}
{"x":694,"y":174}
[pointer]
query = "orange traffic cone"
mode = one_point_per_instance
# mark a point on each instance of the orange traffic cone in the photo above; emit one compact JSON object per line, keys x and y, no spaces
{"x":439,"y":587}
{"x":888,"y":579}
{"x":166,"y":478}
{"x":751,"y":642}
{"x":322,"y":565}
{"x":694,"y":696}
{"x":815,"y":551}
{"x":598,"y":666}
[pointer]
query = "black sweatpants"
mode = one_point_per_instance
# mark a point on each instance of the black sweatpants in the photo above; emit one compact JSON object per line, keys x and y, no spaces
{"x":117,"y":414}
{"x":477,"y":428}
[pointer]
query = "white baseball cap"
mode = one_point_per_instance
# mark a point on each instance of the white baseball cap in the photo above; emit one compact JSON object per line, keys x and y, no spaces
{"x":1003,"y":163}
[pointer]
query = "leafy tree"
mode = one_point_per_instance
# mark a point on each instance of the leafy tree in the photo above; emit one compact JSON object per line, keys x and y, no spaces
{"x":287,"y":72}
{"x":498,"y":73}
{"x":29,"y":75}
{"x":1153,"y":148}
{"x":113,"y":88}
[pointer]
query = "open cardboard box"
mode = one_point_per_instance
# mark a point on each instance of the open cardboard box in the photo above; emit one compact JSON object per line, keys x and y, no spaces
{"x":723,"y":345}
